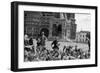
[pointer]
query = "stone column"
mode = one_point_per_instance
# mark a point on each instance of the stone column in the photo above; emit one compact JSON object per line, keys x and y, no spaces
{"x":50,"y":29}
{"x":63,"y":31}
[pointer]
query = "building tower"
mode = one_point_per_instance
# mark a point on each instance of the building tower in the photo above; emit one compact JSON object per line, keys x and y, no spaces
{"x":69,"y":29}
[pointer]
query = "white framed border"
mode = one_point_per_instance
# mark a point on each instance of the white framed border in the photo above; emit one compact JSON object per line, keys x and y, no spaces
{"x":22,"y":64}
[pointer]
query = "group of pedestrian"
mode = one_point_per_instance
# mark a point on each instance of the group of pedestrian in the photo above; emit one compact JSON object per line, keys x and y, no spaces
{"x":42,"y":53}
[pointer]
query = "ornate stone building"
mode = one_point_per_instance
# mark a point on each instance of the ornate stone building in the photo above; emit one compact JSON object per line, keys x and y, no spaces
{"x":60,"y":25}
{"x":81,"y":36}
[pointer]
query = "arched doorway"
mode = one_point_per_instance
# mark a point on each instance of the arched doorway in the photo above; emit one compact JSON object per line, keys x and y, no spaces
{"x":46,"y":31}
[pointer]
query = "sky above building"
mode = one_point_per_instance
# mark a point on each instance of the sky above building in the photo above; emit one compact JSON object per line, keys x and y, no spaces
{"x":83,"y":22}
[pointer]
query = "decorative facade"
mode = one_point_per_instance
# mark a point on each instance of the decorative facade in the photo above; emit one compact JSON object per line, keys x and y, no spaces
{"x":82,"y":36}
{"x":60,"y":25}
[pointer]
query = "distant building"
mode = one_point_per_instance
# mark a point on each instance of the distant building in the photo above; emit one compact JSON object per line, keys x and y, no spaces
{"x":82,"y":36}
{"x":60,"y":25}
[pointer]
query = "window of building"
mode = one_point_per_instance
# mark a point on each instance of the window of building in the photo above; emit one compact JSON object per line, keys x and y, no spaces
{"x":59,"y":29}
{"x":68,"y":15}
{"x":57,"y":15}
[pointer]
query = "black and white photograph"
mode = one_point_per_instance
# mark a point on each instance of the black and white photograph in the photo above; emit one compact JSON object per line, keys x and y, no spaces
{"x":53,"y":36}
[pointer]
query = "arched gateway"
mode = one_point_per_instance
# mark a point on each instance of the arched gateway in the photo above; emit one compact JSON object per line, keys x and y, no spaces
{"x":46,"y":31}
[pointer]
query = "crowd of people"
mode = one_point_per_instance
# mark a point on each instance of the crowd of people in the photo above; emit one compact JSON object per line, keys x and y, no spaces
{"x":41,"y":53}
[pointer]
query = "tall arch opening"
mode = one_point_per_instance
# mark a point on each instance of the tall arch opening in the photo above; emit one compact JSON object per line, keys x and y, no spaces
{"x":46,"y":31}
